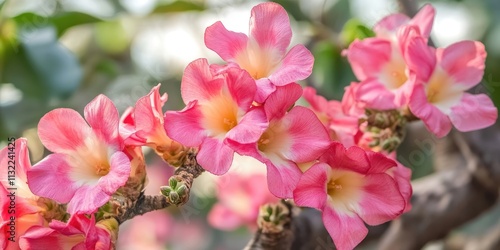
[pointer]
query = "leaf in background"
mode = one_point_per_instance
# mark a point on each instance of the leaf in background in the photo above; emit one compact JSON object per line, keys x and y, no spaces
{"x":179,"y":6}
{"x":62,"y":21}
{"x":354,"y":29}
{"x":112,"y":37}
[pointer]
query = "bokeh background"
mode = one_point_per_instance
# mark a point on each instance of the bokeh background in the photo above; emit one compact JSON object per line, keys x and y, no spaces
{"x":63,"y":53}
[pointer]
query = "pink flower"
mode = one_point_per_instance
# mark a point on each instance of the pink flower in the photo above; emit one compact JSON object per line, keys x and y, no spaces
{"x":80,"y":232}
{"x":293,"y":137}
{"x":218,"y":109}
{"x":239,"y":198}
{"x":263,"y":53}
{"x":351,"y":187}
{"x":18,"y":203}
{"x":133,"y":233}
{"x":87,"y":166}
{"x":441,"y":100}
{"x":380,"y":63}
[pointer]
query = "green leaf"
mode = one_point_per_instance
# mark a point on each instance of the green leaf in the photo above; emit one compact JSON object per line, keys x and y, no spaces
{"x":179,"y":6}
{"x":354,"y":29}
{"x":62,"y":22}
{"x":112,"y":37}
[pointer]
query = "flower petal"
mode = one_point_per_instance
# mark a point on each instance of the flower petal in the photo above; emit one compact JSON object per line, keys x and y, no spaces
{"x":241,"y":86}
{"x":420,"y":58}
{"x":87,"y":199}
{"x":376,"y":95}
{"x":282,"y":177}
{"x":223,"y":218}
{"x":346,"y":231}
{"x":424,"y":19}
{"x":103,"y":117}
{"x":464,"y":62}
{"x":309,"y":138}
{"x":264,"y":89}
{"x":270,"y":26}
{"x":311,"y":189}
{"x":198,"y":83}
{"x":215,"y":156}
{"x":148,"y":111}
{"x":367,"y":57}
{"x":118,"y":173}
{"x":381,"y":200}
{"x":435,"y":120}
{"x":281,"y":100}
{"x":227,"y":44}
{"x":185,"y":126}
{"x":297,"y":65}
{"x":62,"y":129}
{"x":47,"y":177}
{"x":473,"y":112}
{"x":250,"y":128}
{"x":390,"y":24}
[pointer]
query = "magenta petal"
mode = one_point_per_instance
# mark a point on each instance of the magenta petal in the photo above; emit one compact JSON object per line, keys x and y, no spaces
{"x":241,"y":86}
{"x":264,"y":88}
{"x":185,"y":126}
{"x":148,"y":111}
{"x":390,"y":24}
{"x":420,"y":58}
{"x":311,"y":189}
{"x":381,"y":200}
{"x":282,"y":178}
{"x":46,"y":178}
{"x":376,"y":95}
{"x":424,"y":19}
{"x":281,"y":100}
{"x":367,"y":57}
{"x":62,"y":129}
{"x":473,"y":112}
{"x":215,"y":156}
{"x":309,"y":137}
{"x":39,"y":237}
{"x":250,"y":128}
{"x":464,"y":62}
{"x":118,"y":173}
{"x":270,"y":26}
{"x":297,"y":65}
{"x":227,"y":44}
{"x":87,"y":199}
{"x":223,"y":218}
{"x":198,"y":82}
{"x":435,"y":120}
{"x":102,"y":116}
{"x":346,"y":231}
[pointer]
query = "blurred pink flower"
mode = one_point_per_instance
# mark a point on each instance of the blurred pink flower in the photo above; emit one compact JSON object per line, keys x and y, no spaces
{"x":263,"y":54}
{"x":87,"y":160}
{"x":150,"y":231}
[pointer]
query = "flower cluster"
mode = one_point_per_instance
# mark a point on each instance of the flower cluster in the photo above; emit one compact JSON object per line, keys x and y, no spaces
{"x":335,"y":156}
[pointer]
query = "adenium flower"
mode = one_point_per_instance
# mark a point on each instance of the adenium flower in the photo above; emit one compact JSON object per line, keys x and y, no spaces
{"x":19,"y":203}
{"x":87,"y":165}
{"x":80,"y":232}
{"x":294,"y":136}
{"x":263,"y":53}
{"x":380,"y":63}
{"x":351,"y":187}
{"x":218,"y":108}
{"x":441,"y":100}
{"x":239,"y":198}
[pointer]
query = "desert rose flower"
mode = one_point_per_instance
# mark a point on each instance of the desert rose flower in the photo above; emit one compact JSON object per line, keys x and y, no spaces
{"x":80,"y":232}
{"x":351,"y":187}
{"x":88,"y":164}
{"x":294,"y":136}
{"x":380,"y":63}
{"x":263,"y":53}
{"x":441,"y":100}
{"x":218,"y":109}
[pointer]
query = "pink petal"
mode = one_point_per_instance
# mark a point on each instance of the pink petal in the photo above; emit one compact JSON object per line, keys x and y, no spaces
{"x":282,"y":177}
{"x":297,"y":65}
{"x":102,"y":116}
{"x":227,"y":44}
{"x":402,"y":175}
{"x":435,"y":120}
{"x":376,"y":95}
{"x":185,"y":126}
{"x":279,"y":102}
{"x":473,"y":112}
{"x":223,"y":218}
{"x":198,"y":82}
{"x":420,"y":58}
{"x":346,"y":231}
{"x":381,"y":200}
{"x":309,"y":137}
{"x":464,"y":62}
{"x":368,"y":56}
{"x":20,"y":156}
{"x":311,"y":189}
{"x":264,"y":88}
{"x":46,"y":178}
{"x":424,"y":19}
{"x":62,"y":129}
{"x":215,"y":156}
{"x":39,"y":237}
{"x":390,"y":24}
{"x":87,"y":199}
{"x":317,"y":102}
{"x":148,"y":112}
{"x":250,"y":128}
{"x":118,"y":173}
{"x":270,"y":26}
{"x":241,"y":86}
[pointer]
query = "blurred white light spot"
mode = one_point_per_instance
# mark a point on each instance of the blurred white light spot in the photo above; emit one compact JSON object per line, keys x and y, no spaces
{"x":9,"y":94}
{"x":370,"y":12}
{"x":142,"y":7}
